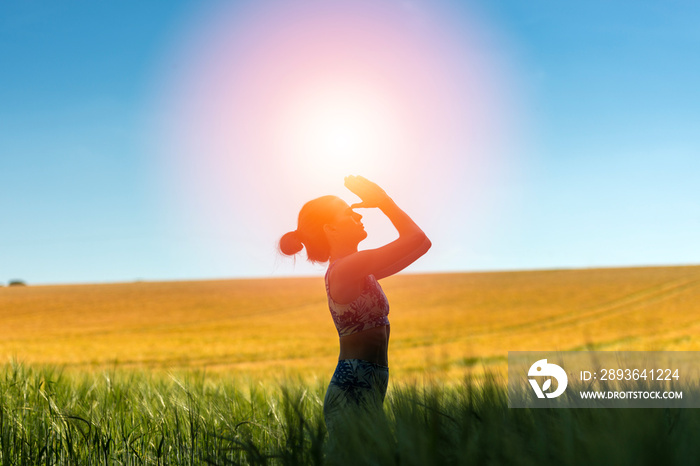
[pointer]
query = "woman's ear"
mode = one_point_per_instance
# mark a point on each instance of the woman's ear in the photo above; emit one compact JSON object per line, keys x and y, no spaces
{"x":327,"y":228}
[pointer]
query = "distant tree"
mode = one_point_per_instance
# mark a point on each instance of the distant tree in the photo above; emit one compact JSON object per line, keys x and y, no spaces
{"x":17,"y":283}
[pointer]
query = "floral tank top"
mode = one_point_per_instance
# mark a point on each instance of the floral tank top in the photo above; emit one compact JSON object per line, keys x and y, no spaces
{"x":370,"y":309}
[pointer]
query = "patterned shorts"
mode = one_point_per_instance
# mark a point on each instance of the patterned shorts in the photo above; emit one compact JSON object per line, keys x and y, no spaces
{"x":357,"y":386}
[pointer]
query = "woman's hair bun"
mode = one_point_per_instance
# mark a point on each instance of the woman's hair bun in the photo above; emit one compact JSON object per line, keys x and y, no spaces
{"x":290,"y":243}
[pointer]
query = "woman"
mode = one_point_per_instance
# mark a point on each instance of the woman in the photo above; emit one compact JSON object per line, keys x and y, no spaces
{"x":330,"y":230}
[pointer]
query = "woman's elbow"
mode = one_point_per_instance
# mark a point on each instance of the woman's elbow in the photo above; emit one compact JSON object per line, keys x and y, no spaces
{"x":426,"y":245}
{"x":423,"y":243}
{"x":418,"y":241}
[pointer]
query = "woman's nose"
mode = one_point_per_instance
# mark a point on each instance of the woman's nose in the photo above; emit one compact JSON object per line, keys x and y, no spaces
{"x":356,"y":216}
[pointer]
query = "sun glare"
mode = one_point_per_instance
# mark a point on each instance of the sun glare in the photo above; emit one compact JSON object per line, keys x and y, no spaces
{"x":340,"y":132}
{"x":336,"y":131}
{"x":276,"y":102}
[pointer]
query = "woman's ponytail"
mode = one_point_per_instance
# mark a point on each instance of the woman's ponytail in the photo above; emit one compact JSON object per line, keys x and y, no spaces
{"x":290,"y":243}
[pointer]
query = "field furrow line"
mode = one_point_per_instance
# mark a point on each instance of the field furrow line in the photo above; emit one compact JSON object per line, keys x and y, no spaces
{"x":626,"y":304}
{"x":619,"y":306}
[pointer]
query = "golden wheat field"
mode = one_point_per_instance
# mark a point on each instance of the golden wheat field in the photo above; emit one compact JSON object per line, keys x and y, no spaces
{"x":443,"y":325}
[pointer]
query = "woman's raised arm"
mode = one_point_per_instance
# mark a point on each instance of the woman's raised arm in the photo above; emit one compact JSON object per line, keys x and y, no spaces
{"x":393,"y":257}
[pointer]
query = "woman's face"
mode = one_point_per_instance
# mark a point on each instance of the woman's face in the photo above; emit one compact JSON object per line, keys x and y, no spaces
{"x":347,"y":225}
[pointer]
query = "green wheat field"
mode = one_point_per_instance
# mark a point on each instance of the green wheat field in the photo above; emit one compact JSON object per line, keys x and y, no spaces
{"x":234,"y":372}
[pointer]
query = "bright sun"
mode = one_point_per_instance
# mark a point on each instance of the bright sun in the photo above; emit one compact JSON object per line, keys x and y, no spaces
{"x":339,"y":129}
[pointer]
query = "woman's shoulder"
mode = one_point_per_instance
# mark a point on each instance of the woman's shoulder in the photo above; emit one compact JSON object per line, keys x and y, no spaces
{"x":343,"y":287}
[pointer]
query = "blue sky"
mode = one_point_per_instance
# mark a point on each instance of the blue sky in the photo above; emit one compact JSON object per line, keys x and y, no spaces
{"x":607,"y":172}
